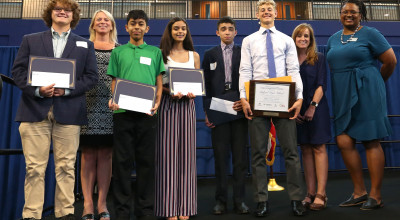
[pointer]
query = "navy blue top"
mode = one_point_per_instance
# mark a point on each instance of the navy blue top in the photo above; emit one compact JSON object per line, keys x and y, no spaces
{"x":317,"y":131}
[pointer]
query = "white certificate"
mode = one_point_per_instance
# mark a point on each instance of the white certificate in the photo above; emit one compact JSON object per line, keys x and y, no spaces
{"x":135,"y":104}
{"x":222,"y":105}
{"x":61,"y":80}
{"x":186,"y":87}
{"x":271,"y":97}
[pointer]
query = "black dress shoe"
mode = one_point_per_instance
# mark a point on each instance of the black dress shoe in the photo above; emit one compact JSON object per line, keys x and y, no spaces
{"x":88,"y":217}
{"x":262,"y":209}
{"x":146,"y":217}
{"x":68,"y":217}
{"x":371,"y":204}
{"x":298,"y":208}
{"x":241,"y":208}
{"x":219,"y":208}
{"x":354,"y":202}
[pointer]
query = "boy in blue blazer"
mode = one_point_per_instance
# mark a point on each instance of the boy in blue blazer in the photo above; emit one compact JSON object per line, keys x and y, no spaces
{"x":53,"y":114}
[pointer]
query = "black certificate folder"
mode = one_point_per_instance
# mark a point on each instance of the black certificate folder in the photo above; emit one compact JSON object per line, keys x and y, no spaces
{"x":134,"y":96}
{"x":44,"y":71}
{"x":186,"y":80}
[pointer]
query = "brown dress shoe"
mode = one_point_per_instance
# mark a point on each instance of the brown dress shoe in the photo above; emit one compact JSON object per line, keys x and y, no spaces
{"x":317,"y":207}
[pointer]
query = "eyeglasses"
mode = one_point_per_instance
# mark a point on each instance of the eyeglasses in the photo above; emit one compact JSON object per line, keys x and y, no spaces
{"x":349,"y":12}
{"x":66,"y":10}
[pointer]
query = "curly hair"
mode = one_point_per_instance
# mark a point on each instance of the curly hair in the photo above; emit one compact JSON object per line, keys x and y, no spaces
{"x":266,"y":2}
{"x":312,"y":55}
{"x":46,"y":15}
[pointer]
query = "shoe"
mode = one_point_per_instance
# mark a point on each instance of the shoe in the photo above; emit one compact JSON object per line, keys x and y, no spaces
{"x":104,"y":215}
{"x":307,"y":204}
{"x":298,"y":208}
{"x":146,"y":217}
{"x":371,"y":204}
{"x":262,"y":209}
{"x":317,"y":207}
{"x":354,"y":202}
{"x":30,"y":219}
{"x":88,"y":217}
{"x":219,"y":208}
{"x":241,"y":208}
{"x":68,"y":217}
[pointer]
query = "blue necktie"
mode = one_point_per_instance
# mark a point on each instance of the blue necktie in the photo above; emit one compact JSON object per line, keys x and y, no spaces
{"x":270,"y":56}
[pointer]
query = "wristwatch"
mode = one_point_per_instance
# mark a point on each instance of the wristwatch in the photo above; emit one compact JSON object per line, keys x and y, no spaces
{"x":314,"y":103}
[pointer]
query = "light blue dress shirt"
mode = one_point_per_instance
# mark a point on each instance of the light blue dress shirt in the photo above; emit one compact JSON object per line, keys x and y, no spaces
{"x":254,"y":62}
{"x":59,"y":42}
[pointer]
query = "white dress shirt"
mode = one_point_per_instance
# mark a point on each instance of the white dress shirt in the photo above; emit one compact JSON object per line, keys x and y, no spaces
{"x":254,"y":62}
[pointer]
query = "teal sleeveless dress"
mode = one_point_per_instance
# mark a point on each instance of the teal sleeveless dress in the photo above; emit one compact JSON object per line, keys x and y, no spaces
{"x":358,"y":89}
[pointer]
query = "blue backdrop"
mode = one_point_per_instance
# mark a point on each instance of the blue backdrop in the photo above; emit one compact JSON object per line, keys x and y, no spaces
{"x":12,"y":168}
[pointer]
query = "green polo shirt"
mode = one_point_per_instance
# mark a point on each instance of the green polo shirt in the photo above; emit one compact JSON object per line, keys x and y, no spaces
{"x":137,"y":63}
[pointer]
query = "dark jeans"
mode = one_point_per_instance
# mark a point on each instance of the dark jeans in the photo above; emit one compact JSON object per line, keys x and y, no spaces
{"x":134,"y":141}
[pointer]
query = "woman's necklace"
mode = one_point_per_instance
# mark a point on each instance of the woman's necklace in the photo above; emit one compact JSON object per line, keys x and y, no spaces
{"x":351,"y":37}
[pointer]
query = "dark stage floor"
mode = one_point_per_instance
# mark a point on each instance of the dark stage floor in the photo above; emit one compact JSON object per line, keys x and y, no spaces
{"x":339,"y":188}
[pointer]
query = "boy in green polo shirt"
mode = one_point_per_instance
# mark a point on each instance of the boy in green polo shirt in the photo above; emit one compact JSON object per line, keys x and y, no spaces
{"x":135,"y":133}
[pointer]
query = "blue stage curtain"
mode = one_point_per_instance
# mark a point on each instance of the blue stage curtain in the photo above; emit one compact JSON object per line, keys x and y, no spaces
{"x":12,"y":168}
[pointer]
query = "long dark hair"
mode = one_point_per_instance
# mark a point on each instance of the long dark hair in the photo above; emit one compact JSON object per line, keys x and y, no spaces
{"x":361,"y":7}
{"x":167,"y":42}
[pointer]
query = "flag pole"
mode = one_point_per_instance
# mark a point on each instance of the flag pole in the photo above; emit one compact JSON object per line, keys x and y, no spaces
{"x":270,"y":159}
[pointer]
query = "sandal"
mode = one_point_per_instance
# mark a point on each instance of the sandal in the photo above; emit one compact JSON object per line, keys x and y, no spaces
{"x":317,"y":207}
{"x":104,"y":215}
{"x":88,"y":217}
{"x":307,"y":204}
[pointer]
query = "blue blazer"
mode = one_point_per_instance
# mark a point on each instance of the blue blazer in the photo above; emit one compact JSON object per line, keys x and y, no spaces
{"x":215,"y":79}
{"x":70,"y":109}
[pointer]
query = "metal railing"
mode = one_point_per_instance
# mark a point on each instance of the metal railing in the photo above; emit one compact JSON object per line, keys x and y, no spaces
{"x":378,"y":10}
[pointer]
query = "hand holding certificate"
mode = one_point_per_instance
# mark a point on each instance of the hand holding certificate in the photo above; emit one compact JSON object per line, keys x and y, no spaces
{"x":272,"y":99}
{"x":134,"y":96}
{"x":44,"y":71}
{"x":182,"y":80}
{"x":222,"y":108}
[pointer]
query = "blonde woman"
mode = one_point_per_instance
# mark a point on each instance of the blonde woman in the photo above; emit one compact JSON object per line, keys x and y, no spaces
{"x":96,"y":137}
{"x":313,"y":122}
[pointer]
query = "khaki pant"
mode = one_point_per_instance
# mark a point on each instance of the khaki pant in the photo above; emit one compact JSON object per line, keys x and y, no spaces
{"x":36,"y":137}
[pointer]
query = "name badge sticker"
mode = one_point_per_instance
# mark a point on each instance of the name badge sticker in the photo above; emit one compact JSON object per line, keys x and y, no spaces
{"x":213,"y":66}
{"x":82,"y":44}
{"x":145,"y":60}
{"x":353,"y":39}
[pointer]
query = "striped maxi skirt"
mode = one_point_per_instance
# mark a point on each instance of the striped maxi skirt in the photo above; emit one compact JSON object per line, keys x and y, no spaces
{"x":176,"y":181}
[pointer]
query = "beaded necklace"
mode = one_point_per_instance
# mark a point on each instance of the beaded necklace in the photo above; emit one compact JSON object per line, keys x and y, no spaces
{"x":341,"y":36}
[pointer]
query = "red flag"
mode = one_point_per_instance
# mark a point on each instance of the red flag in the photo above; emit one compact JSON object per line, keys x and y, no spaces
{"x":270,"y":157}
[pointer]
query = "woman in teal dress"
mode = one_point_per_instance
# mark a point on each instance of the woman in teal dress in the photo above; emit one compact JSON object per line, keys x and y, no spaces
{"x":359,"y":99}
